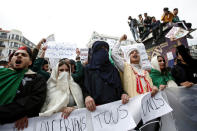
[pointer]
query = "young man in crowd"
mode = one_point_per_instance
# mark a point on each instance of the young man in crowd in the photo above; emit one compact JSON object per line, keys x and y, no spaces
{"x":140,"y":25}
{"x":147,"y":20}
{"x":41,"y":65}
{"x":156,"y":29}
{"x":133,"y":24}
{"x":181,"y":23}
{"x":147,"y":26}
{"x":77,"y":69}
{"x":167,"y":16}
{"x":22,"y":91}
{"x":175,"y":18}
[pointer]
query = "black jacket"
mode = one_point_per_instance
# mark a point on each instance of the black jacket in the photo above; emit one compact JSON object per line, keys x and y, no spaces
{"x":28,"y":100}
{"x":182,"y":73}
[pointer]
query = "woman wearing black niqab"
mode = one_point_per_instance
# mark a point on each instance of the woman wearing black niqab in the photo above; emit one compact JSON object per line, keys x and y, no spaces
{"x":102,"y":79}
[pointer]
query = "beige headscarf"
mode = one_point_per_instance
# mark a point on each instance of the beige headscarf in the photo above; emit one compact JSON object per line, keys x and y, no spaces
{"x":59,"y":87}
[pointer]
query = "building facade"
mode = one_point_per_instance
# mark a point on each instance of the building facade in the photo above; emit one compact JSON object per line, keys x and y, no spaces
{"x":11,"y":41}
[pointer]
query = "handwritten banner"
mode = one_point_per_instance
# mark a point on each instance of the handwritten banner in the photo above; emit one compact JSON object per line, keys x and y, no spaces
{"x":108,"y":117}
{"x":60,"y":50}
{"x":153,"y":107}
{"x":114,"y":116}
{"x":77,"y":121}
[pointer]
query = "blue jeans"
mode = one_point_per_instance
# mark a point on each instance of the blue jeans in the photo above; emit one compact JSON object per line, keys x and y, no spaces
{"x":134,"y":33}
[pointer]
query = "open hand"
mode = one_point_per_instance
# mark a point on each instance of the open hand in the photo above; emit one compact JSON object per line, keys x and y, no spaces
{"x":90,"y":104}
{"x":21,"y":123}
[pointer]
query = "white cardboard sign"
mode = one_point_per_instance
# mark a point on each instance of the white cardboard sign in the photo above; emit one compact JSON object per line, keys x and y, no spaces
{"x":153,"y":107}
{"x":112,"y":117}
{"x":108,"y":117}
{"x":60,"y":50}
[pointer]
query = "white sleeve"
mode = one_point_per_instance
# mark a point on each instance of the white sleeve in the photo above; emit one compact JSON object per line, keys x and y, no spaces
{"x":119,"y":61}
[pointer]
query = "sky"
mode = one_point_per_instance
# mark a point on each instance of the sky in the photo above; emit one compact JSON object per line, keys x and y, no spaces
{"x":74,"y":21}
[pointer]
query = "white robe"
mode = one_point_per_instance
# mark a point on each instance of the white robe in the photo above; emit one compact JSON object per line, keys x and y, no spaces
{"x":61,"y":90}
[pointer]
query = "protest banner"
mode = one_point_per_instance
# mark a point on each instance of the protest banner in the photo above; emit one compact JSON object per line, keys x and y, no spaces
{"x":176,"y":33}
{"x":75,"y":122}
{"x":60,"y":50}
{"x":113,"y":116}
{"x":153,"y":107}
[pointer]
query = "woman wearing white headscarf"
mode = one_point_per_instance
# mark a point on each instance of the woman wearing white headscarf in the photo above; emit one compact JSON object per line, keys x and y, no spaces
{"x":161,"y":77}
{"x":63,"y":94}
{"x":136,"y":80}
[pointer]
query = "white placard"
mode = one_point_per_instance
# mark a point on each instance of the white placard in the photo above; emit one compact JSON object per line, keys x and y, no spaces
{"x":170,"y":56}
{"x":143,"y":55}
{"x":84,"y":54}
{"x":50,"y":38}
{"x":75,"y":122}
{"x":108,"y":117}
{"x":60,"y":50}
{"x":153,"y":107}
{"x":176,"y":33}
{"x":112,"y":117}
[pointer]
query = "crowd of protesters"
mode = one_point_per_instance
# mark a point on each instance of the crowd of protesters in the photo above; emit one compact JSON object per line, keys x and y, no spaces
{"x":142,"y":27}
{"x":28,"y":88}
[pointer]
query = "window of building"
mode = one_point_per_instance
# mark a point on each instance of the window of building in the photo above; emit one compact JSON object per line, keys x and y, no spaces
{"x":1,"y":53}
{"x":15,"y":44}
{"x":17,"y":37}
{"x":3,"y":35}
{"x":2,"y":44}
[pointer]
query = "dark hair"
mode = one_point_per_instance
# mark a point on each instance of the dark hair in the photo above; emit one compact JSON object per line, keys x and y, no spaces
{"x":165,"y":70}
{"x":176,"y":9}
{"x":11,"y":55}
{"x":64,"y":63}
{"x":28,"y":50}
{"x":72,"y":62}
{"x":140,"y":15}
{"x":146,"y":13}
{"x":63,"y":59}
{"x":165,"y":9}
{"x":45,"y":62}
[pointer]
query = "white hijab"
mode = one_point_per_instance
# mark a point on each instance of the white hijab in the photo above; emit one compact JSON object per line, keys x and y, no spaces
{"x":59,"y":87}
{"x":136,"y":67}
{"x":155,"y":65}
